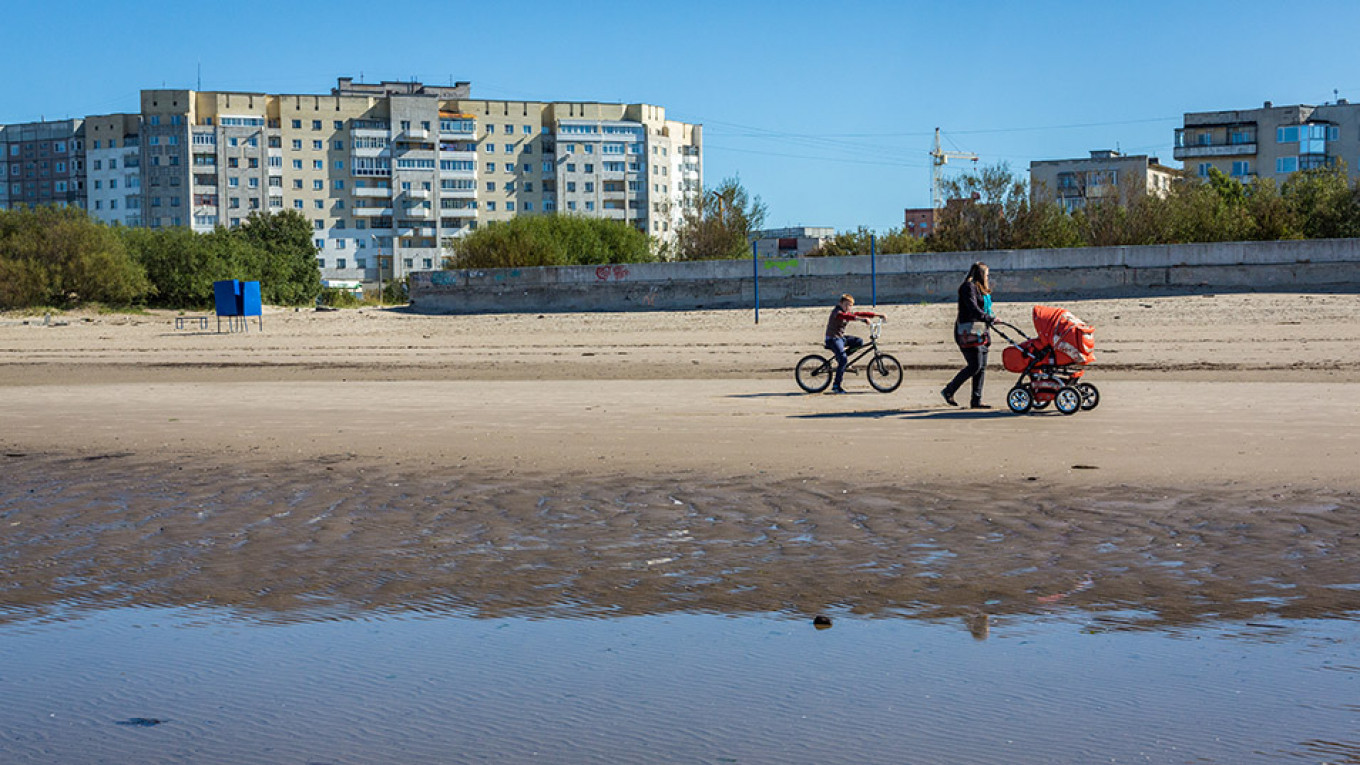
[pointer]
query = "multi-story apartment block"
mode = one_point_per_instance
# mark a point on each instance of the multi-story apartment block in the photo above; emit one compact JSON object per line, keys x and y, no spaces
{"x":41,"y":163}
{"x":387,"y":174}
{"x":1106,"y":176}
{"x":1270,"y":142}
{"x":113,"y":180}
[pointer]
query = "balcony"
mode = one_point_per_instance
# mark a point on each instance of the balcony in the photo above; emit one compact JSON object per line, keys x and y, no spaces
{"x":1214,"y":150}
{"x":416,"y":136}
{"x":372,"y":212}
{"x":418,"y":212}
{"x":371,"y":191}
{"x":418,"y":193}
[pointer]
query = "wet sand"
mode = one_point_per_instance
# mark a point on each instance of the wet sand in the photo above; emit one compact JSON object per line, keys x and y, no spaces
{"x":650,"y":463}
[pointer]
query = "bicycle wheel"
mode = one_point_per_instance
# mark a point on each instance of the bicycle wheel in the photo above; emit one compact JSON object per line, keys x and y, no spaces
{"x":884,"y":373}
{"x":813,"y":373}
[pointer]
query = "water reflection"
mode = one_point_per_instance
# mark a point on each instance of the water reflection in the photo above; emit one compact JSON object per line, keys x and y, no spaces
{"x":310,"y":542}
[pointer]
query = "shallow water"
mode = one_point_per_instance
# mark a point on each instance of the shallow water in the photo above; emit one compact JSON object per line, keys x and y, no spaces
{"x":309,"y":614}
{"x":207,"y":686}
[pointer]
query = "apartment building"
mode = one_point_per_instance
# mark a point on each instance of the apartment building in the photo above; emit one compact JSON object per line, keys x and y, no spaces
{"x":1105,"y":177}
{"x":1272,"y":141}
{"x":113,"y":181}
{"x":389,"y":173}
{"x":41,"y":163}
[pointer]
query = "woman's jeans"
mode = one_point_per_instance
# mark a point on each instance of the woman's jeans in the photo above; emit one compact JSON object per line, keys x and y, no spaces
{"x":976,"y":359}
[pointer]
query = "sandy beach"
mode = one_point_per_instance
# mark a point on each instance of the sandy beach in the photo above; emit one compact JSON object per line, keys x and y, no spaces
{"x":587,"y":447}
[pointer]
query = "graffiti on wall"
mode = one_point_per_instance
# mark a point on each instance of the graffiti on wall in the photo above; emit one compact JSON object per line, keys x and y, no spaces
{"x":782,"y":265}
{"x":617,"y":273}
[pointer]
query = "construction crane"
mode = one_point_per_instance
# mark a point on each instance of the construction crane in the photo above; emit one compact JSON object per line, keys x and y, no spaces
{"x":939,"y":158}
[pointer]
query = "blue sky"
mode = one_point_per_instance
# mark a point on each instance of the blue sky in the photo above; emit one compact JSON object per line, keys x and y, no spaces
{"x":824,"y":110}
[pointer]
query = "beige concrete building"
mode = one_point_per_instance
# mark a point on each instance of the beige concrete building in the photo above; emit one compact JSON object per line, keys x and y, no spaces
{"x":1272,"y":141}
{"x":1105,"y":177}
{"x":389,"y":173}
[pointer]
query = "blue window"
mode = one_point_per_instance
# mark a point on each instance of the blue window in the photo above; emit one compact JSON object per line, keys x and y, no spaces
{"x":1286,"y":164}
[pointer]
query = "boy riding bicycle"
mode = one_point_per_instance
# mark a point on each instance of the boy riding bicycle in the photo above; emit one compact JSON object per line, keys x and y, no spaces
{"x":837,"y":341}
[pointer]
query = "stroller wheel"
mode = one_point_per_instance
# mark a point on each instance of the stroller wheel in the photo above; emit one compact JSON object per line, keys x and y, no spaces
{"x":1020,"y":399}
{"x":1067,"y":400}
{"x":1090,"y":396}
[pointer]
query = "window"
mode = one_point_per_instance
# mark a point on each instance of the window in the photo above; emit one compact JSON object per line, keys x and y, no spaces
{"x":318,"y":185}
{"x":571,"y":206}
{"x":339,"y":185}
{"x":1287,"y":134}
{"x":339,"y":124}
{"x":490,"y":147}
{"x":319,"y":224}
{"x":1240,"y":168}
{"x":297,"y":204}
{"x":590,"y":168}
{"x":319,"y":204}
{"x":316,"y":124}
{"x":491,"y":207}
{"x":253,"y":183}
{"x":590,"y":205}
{"x":590,"y":187}
{"x":340,"y":245}
{"x":318,"y":164}
{"x":234,"y":182}
{"x":490,"y":186}
{"x":509,"y":148}
{"x":547,"y":167}
{"x":528,"y":207}
{"x":338,"y":145}
{"x":297,"y":183}
{"x":297,"y":124}
{"x":1286,"y":164}
{"x":490,"y":129}
{"x":318,"y":145}
{"x":509,"y":167}
{"x":571,"y":167}
{"x":297,"y":164}
{"x":571,"y":186}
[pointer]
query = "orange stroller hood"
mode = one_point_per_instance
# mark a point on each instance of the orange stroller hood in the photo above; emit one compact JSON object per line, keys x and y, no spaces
{"x":1068,"y":336}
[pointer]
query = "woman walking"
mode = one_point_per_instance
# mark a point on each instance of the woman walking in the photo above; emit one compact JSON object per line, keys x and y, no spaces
{"x":970,"y":333}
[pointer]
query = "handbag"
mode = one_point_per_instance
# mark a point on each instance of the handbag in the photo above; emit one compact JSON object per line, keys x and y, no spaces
{"x":972,"y":334}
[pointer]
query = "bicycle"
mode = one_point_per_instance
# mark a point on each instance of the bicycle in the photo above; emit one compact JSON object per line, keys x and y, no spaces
{"x":815,"y":371}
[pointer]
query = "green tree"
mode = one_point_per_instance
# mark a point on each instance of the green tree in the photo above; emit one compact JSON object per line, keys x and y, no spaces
{"x":550,"y":240}
{"x":59,"y":256}
{"x":858,"y":242}
{"x":1324,"y":202}
{"x":719,"y":224}
{"x":985,"y":211}
{"x":282,"y":257}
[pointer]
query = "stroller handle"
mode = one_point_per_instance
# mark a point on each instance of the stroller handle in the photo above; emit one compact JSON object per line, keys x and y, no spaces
{"x":998,"y":324}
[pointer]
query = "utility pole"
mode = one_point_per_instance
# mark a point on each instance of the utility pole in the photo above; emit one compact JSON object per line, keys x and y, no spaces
{"x":939,"y":158}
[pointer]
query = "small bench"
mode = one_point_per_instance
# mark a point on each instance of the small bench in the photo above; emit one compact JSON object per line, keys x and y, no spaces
{"x":182,"y":321}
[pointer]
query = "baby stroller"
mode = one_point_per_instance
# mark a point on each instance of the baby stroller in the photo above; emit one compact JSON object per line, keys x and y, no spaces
{"x":1051,"y":364}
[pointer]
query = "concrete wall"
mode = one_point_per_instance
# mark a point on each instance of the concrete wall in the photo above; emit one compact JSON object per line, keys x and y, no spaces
{"x":1016,"y":275}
